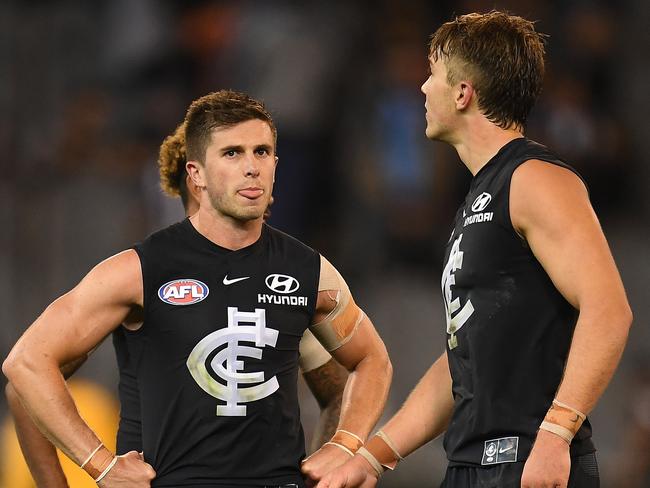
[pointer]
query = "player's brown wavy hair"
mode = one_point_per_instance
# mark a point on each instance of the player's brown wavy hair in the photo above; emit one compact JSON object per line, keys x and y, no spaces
{"x":171,"y":164}
{"x":219,"y":109}
{"x":502,"y":55}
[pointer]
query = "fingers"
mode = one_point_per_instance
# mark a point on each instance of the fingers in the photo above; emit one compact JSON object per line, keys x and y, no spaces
{"x":150,"y":471}
{"x":324,"y":483}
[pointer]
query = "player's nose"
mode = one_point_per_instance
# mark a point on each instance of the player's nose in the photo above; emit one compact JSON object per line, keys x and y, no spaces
{"x":251,"y":166}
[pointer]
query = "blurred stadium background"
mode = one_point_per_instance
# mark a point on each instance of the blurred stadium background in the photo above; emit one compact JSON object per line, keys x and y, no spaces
{"x":88,"y":90}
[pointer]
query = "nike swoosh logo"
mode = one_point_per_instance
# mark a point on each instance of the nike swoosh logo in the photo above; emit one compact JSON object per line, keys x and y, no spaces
{"x":501,"y":451}
{"x":226,"y":281}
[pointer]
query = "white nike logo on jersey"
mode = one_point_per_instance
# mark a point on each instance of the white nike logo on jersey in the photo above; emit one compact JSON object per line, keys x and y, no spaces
{"x":226,"y":281}
{"x":504,"y":449}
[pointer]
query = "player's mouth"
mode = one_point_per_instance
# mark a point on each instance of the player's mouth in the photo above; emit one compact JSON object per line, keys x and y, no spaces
{"x":251,"y":192}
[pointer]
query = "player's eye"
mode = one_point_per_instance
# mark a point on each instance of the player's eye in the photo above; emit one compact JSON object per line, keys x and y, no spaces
{"x":231,"y":153}
{"x":262,"y":152}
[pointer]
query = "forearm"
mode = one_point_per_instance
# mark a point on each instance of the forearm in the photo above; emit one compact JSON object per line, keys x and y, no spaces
{"x":327,"y":423}
{"x":326,"y":382}
{"x":365,"y":395}
{"x":39,"y":453}
{"x":596,"y":349}
{"x":426,"y":412}
{"x":45,"y":397}
{"x":71,"y":368}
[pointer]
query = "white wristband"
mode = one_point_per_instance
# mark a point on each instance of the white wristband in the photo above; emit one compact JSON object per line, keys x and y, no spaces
{"x":90,"y":456}
{"x":340,"y":446}
{"x":105,"y":472}
{"x":372,"y":460}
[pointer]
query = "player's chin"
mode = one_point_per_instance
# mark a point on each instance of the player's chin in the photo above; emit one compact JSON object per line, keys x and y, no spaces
{"x":251,"y":212}
{"x":431,"y":131}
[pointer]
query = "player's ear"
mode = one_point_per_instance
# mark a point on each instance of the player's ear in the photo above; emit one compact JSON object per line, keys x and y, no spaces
{"x":192,"y":188}
{"x":463,"y":95}
{"x":275,"y":168}
{"x":195,"y":172}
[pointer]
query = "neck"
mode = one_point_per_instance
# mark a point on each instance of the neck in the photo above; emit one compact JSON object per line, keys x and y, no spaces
{"x":480,"y":142}
{"x":225,"y":231}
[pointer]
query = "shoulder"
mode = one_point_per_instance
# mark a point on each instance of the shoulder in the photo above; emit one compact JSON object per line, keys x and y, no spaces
{"x":542,"y":190}
{"x":125,"y":262}
{"x":117,"y":278}
{"x":544,"y":173}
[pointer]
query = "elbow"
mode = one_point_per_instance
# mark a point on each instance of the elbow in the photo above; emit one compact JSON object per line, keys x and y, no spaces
{"x":619,"y":320}
{"x":628,"y":316}
{"x":9,"y":367}
{"x":622,"y":317}
{"x":377,"y":365}
{"x":11,"y":396}
{"x":387,"y":368}
{"x":15,"y":366}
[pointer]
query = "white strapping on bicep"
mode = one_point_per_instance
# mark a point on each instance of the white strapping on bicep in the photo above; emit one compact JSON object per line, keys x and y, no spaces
{"x":330,"y":333}
{"x":312,"y":353}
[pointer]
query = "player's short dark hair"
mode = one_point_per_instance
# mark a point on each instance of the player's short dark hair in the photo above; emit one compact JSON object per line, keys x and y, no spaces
{"x":219,"y":109}
{"x":171,"y":165}
{"x":502,"y":55}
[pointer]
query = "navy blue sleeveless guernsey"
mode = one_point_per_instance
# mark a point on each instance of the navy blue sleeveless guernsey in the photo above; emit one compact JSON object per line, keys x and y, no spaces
{"x":217,"y":359}
{"x":129,"y":432}
{"x":508,"y":328}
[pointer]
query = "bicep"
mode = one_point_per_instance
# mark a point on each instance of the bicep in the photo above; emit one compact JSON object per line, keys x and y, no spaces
{"x":550,"y":208}
{"x":338,"y":323}
{"x":336,"y":316}
{"x":76,"y":322}
{"x":365,"y":342}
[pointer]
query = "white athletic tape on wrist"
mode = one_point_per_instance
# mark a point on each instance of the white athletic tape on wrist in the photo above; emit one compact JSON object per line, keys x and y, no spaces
{"x":558,"y":430}
{"x":340,"y":446}
{"x":563,"y":420}
{"x":90,"y":456}
{"x":372,"y":460}
{"x":352,"y":434}
{"x":564,"y":405}
{"x":105,"y":472}
{"x":389,"y":442}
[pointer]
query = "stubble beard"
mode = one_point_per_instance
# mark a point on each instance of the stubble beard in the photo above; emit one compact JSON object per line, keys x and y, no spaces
{"x":229,"y":208}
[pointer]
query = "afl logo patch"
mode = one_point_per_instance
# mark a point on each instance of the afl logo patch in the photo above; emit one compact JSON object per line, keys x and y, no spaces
{"x":280,"y":283}
{"x":183,"y":292}
{"x":481,"y":202}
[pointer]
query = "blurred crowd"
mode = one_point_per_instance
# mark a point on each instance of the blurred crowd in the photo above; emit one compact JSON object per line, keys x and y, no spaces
{"x":88,"y":91}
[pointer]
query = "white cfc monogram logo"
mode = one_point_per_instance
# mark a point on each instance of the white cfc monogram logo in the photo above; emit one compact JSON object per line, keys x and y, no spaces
{"x":226,"y":365}
{"x":452,"y":305}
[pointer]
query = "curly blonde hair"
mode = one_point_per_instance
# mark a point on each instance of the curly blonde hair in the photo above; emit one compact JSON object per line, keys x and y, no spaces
{"x":171,"y":164}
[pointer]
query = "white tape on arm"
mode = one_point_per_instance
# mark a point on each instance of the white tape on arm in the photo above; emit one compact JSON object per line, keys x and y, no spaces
{"x":312,"y":353}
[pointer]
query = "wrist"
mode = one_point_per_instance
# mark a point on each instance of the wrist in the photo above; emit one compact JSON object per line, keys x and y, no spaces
{"x":99,"y":462}
{"x":563,"y":421}
{"x":346,"y":441}
{"x":366,"y":464}
{"x":546,"y":438}
{"x":380,"y":453}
